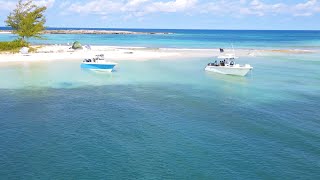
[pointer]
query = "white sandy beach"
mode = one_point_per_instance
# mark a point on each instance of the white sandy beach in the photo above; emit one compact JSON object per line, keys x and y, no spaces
{"x":112,"y":53}
{"x":116,"y":53}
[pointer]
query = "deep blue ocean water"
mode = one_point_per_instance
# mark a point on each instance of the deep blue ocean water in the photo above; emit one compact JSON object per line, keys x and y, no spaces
{"x":162,"y":119}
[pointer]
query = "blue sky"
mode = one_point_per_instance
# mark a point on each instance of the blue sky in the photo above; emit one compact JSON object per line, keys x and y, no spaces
{"x":179,"y":14}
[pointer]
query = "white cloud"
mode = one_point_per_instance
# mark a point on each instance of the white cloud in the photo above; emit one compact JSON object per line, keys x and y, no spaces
{"x":130,"y":8}
{"x":238,"y":8}
{"x":308,"y":8}
{"x":171,"y":6}
{"x":64,"y":4}
{"x":235,"y":8}
{"x":7,"y":5}
{"x":96,"y":7}
{"x":47,"y":3}
{"x":303,"y":14}
{"x":307,"y":4}
{"x":135,"y":3}
{"x":261,"y":9}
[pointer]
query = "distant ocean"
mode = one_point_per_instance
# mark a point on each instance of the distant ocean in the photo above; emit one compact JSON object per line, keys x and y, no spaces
{"x":258,"y":39}
{"x":164,"y":119}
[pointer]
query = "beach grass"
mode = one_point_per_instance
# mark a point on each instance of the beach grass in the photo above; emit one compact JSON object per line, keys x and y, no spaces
{"x":13,"y":46}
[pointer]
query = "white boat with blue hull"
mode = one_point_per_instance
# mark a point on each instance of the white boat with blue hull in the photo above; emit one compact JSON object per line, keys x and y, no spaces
{"x":98,"y":64}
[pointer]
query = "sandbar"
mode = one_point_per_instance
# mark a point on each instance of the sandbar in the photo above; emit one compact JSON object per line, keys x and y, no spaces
{"x":121,"y":53}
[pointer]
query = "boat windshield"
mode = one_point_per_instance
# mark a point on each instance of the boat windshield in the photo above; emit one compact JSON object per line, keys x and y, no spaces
{"x":227,"y":56}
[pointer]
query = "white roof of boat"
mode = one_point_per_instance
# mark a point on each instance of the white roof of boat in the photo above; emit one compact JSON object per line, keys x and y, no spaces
{"x":227,"y":56}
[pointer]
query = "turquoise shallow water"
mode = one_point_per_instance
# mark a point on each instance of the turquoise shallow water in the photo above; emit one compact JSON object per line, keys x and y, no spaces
{"x":192,"y":39}
{"x":161,"y":120}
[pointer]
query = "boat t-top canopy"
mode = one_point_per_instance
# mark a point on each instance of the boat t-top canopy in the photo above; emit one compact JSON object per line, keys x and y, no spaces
{"x":227,"y":56}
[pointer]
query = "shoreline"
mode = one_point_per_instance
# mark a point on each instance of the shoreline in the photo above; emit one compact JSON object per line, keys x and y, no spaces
{"x":119,"y":53}
{"x":112,"y":53}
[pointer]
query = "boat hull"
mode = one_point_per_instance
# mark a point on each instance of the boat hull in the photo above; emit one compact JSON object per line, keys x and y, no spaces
{"x":229,"y":70}
{"x":98,"y":67}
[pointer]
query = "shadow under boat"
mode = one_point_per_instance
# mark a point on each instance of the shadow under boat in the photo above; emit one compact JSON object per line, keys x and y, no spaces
{"x":229,"y":78}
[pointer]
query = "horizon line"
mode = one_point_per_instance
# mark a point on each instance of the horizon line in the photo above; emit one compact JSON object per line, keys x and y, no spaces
{"x":181,"y":28}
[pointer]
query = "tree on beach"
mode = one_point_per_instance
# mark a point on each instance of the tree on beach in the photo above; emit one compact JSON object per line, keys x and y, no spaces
{"x":27,"y":20}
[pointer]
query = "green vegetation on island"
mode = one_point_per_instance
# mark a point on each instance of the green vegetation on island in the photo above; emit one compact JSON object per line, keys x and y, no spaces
{"x":13,"y":46}
{"x":27,"y":21}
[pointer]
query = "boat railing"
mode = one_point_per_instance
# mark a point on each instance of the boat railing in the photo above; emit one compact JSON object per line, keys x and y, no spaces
{"x":99,"y":57}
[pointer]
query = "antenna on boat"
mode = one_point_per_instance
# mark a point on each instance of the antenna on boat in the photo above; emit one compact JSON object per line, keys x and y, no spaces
{"x":233,"y":49}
